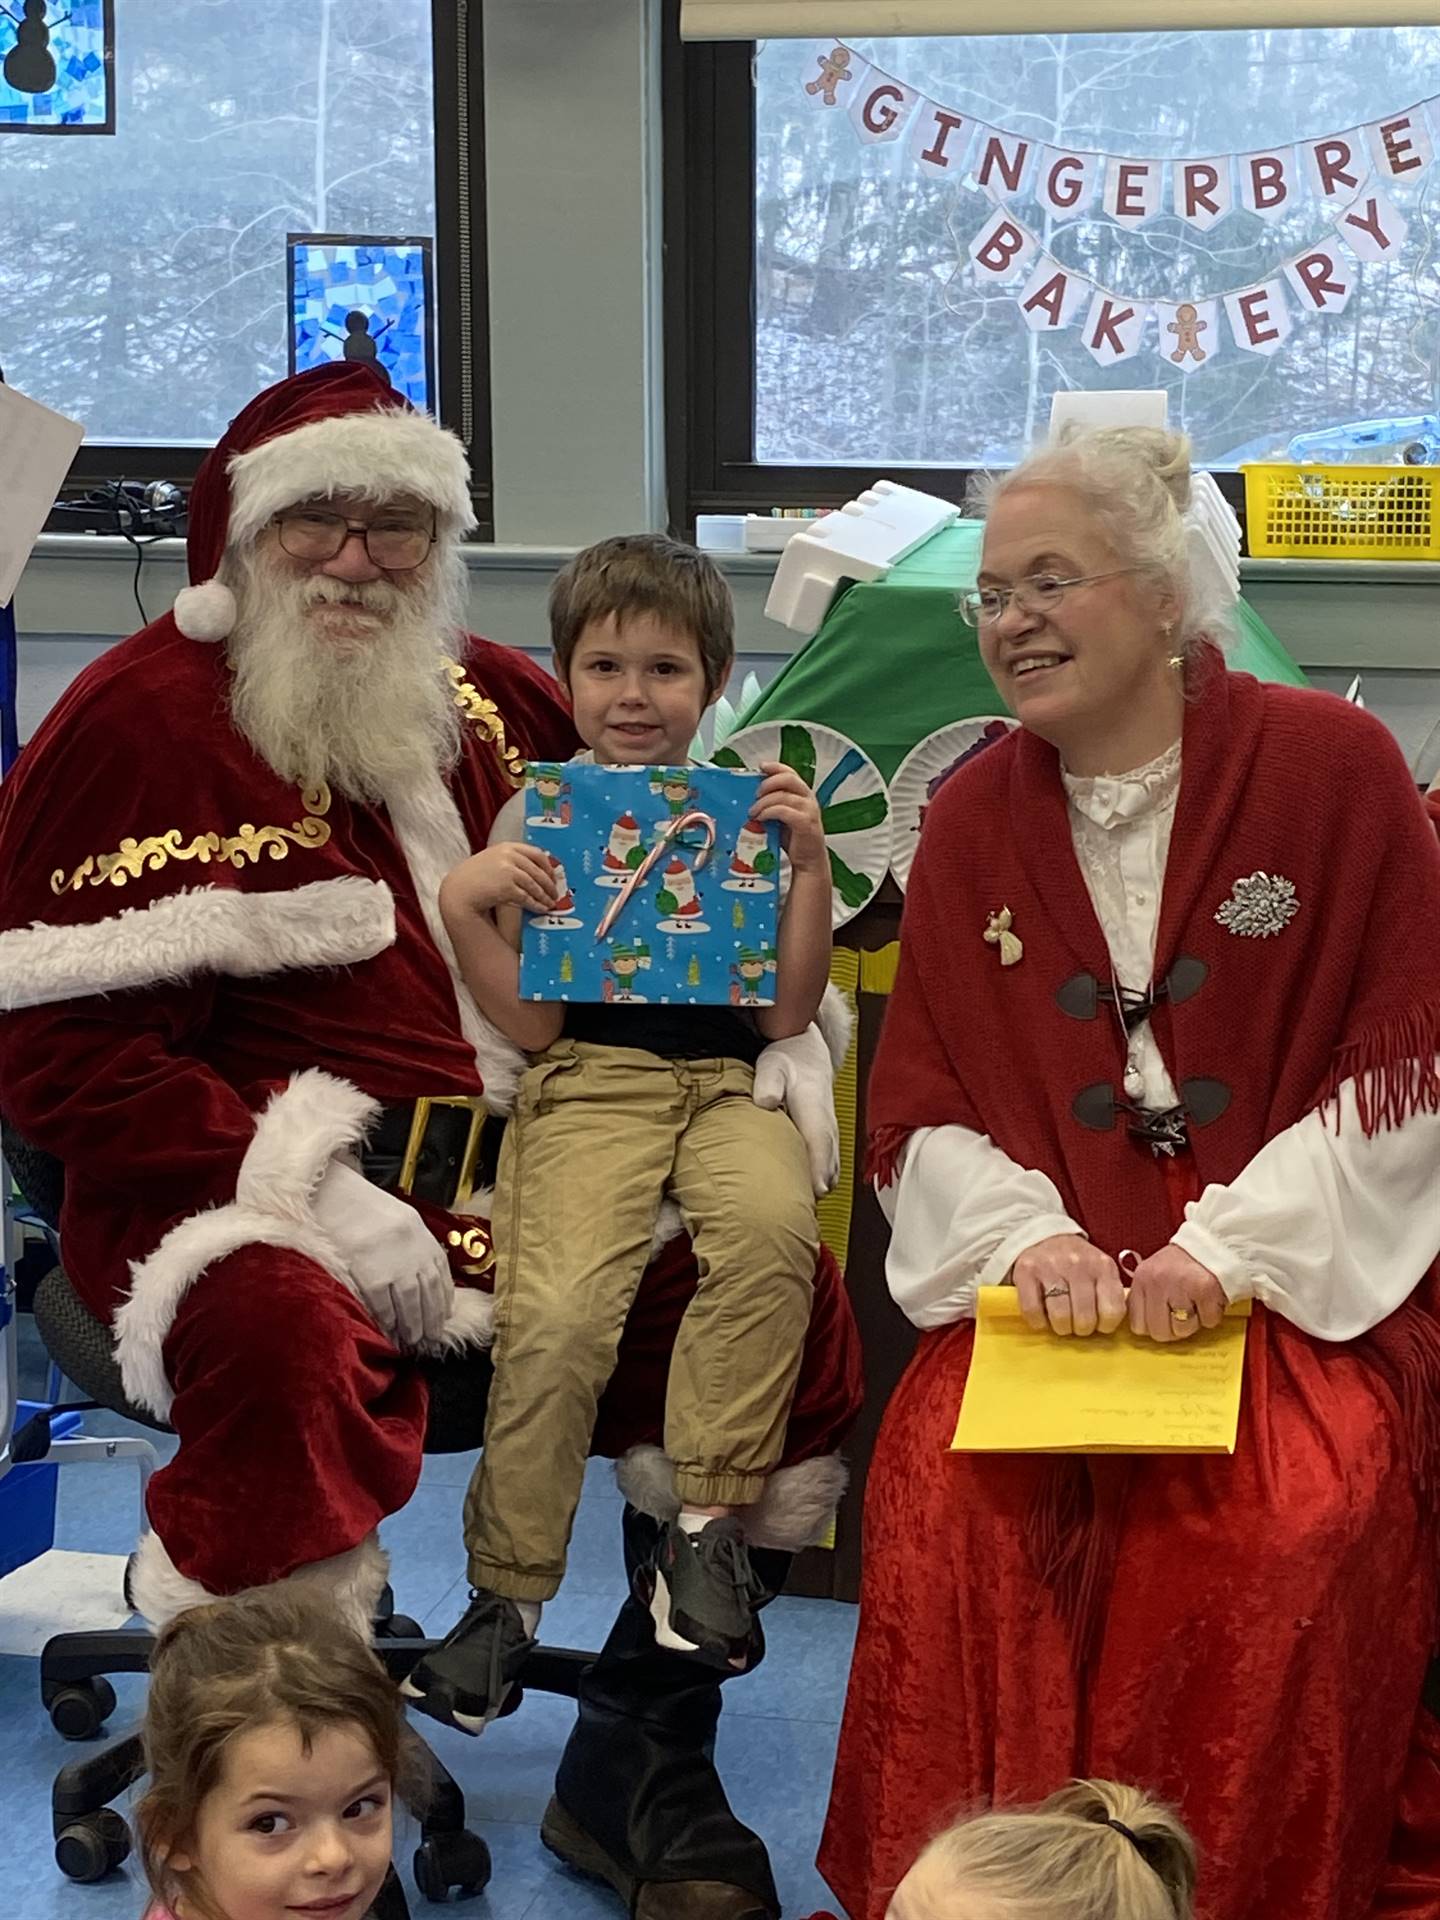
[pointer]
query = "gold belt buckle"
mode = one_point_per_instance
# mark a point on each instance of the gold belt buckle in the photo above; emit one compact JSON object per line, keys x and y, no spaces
{"x":419,"y":1126}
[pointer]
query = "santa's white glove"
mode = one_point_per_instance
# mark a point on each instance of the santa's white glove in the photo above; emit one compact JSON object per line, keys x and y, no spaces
{"x":398,"y":1267}
{"x":797,"y":1075}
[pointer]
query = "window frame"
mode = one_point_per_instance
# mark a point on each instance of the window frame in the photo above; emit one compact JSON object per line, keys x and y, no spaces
{"x":709,"y":218}
{"x":461,"y":287}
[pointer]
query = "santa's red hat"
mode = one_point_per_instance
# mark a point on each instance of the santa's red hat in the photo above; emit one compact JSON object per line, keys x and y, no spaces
{"x":333,"y":429}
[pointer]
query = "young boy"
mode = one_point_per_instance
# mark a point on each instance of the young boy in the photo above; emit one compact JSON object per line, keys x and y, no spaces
{"x":628,"y":1102}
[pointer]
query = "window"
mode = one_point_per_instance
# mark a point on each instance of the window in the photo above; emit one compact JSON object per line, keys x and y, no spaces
{"x":846,"y":330}
{"x":145,"y":279}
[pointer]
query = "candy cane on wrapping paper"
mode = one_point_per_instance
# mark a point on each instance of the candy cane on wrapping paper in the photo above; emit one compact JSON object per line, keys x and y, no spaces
{"x":672,"y":831}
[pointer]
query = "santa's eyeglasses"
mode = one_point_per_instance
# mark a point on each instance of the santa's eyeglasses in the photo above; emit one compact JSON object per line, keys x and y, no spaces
{"x":397,"y":542}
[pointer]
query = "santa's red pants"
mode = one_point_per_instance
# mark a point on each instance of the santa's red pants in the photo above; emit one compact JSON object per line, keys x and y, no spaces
{"x":1259,"y":1662}
{"x":301,"y":1427}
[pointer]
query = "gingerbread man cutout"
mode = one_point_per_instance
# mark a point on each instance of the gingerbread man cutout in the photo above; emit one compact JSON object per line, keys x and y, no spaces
{"x":1187,"y":328}
{"x":834,"y":67}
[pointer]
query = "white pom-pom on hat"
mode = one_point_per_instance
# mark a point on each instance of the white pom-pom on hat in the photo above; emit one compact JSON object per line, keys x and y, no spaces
{"x":206,"y":612}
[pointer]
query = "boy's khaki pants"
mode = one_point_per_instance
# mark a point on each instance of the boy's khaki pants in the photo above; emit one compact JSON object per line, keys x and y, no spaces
{"x":598,"y":1136}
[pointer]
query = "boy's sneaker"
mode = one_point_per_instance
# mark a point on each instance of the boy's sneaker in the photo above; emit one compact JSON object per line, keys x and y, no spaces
{"x":704,"y":1592}
{"x":471,"y":1675}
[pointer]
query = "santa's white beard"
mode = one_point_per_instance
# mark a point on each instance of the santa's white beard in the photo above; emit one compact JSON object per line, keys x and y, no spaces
{"x":363,"y":713}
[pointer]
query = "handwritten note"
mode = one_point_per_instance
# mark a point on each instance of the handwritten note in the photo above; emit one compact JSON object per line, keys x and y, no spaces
{"x":1038,"y":1393}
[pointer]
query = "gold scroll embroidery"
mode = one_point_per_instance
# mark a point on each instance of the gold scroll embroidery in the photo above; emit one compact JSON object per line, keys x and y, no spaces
{"x":476,"y":1245}
{"x":134,"y":857}
{"x":487,"y":718}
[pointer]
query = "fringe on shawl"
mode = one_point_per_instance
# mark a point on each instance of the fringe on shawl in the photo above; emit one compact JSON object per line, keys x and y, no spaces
{"x":1393,"y":1066}
{"x":883,"y":1151}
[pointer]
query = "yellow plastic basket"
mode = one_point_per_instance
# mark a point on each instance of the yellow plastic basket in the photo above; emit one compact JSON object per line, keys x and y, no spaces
{"x":1343,"y":513}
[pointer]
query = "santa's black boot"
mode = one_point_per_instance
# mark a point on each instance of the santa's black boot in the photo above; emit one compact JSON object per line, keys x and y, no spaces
{"x":638,"y":1802}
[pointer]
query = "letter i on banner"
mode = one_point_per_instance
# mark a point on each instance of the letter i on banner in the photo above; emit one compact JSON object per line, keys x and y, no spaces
{"x":1269,"y":182}
{"x":1052,"y":296}
{"x":1402,"y":144}
{"x":1202,"y":190}
{"x":1002,"y":248}
{"x":1133,"y":190}
{"x":1065,"y":182}
{"x":1259,"y":317}
{"x":1189,"y":332}
{"x":940,"y":141}
{"x":839,"y":73}
{"x":881,"y":108}
{"x":1114,"y":328}
{"x":1373,"y":228}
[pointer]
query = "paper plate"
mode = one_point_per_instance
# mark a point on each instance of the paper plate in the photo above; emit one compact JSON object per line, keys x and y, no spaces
{"x":853,"y":801}
{"x":923,"y":772}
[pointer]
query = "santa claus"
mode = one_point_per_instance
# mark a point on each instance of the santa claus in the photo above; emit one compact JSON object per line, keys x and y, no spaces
{"x":233,"y":1014}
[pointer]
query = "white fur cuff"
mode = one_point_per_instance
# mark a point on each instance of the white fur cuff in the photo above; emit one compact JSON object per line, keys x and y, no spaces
{"x":795,"y":1510}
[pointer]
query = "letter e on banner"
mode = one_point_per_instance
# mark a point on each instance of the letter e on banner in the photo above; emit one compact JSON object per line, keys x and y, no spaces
{"x":1372,"y":228}
{"x":1114,"y":328}
{"x":1189,"y":332}
{"x":881,"y":108}
{"x":1402,"y":144}
{"x":1322,"y":280}
{"x":1001,"y":160}
{"x":1337,"y":167}
{"x":1259,"y":317}
{"x":939,"y":140}
{"x":1051,"y":297}
{"x":1268,"y":182}
{"x":1202,"y":191}
{"x":1002,"y":247}
{"x":1065,"y":182}
{"x":1133,"y":190}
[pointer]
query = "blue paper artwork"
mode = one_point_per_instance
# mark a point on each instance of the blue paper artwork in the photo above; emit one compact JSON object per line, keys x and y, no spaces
{"x":57,"y":66}
{"x":692,"y":931}
{"x":360,"y":298}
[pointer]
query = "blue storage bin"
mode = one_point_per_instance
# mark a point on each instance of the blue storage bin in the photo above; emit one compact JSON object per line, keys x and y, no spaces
{"x":27,"y":1498}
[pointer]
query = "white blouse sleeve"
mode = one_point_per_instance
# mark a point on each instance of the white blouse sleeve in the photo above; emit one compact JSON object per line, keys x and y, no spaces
{"x":1330,"y":1229}
{"x":961,"y":1213}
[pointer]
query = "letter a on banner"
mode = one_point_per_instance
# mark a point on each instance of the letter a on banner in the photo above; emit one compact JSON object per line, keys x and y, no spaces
{"x":1372,"y":228}
{"x":1189,"y":332}
{"x":1114,"y":328}
{"x":940,"y":140}
{"x":881,"y":108}
{"x":1052,"y":296}
{"x":1323,"y":280}
{"x":1202,"y":191}
{"x":1065,"y":182}
{"x":1002,"y":247}
{"x":1269,"y":182}
{"x":1259,"y":317}
{"x":1133,"y":190}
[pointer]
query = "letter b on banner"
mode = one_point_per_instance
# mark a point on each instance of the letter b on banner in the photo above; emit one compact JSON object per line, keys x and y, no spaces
{"x":1002,"y":247}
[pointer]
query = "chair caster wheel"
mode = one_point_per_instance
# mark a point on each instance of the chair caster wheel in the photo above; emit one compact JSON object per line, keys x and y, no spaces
{"x":399,"y":1626}
{"x":451,"y":1861}
{"x":80,"y":1709}
{"x":91,"y":1847}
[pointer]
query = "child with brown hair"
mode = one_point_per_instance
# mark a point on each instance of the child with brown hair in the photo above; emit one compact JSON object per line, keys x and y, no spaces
{"x":275,"y":1744}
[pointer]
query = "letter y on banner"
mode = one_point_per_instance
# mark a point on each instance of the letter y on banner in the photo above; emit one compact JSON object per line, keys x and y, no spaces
{"x":1372,"y":228}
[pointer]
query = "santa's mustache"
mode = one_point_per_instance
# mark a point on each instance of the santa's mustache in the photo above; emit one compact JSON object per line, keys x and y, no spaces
{"x":374,"y":596}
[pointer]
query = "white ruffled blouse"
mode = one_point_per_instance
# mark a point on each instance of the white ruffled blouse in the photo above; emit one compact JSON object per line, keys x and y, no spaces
{"x":1325,"y":1227}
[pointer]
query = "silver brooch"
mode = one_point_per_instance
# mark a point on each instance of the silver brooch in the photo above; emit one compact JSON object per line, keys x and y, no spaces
{"x":1261,"y":904}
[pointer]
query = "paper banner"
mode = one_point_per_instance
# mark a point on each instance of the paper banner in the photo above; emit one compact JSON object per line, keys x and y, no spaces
{"x":940,"y":140}
{"x":1114,"y":328}
{"x":1052,"y":297}
{"x":1201,"y":191}
{"x":1134,"y":190}
{"x":1259,"y":317}
{"x":1337,"y":167}
{"x":840,"y":73}
{"x":1269,"y":182}
{"x":881,"y":109}
{"x":1002,"y":248}
{"x":1065,"y":181}
{"x":1189,"y":332}
{"x":1372,"y":228}
{"x":1401,"y":145}
{"x":1323,"y":280}
{"x":1000,"y":162}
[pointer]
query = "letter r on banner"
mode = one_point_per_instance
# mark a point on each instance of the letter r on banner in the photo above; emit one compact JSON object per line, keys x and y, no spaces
{"x":1002,"y":247}
{"x":1321,"y":279}
{"x":1338,"y":166}
{"x":1202,"y":191}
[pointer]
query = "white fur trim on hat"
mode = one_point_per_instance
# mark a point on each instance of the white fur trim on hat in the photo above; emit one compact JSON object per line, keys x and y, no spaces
{"x":206,"y":612}
{"x":373,"y":455}
{"x":794,"y":1511}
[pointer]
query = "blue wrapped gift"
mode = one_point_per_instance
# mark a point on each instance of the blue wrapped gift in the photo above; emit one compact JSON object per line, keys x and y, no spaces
{"x":699,"y":928}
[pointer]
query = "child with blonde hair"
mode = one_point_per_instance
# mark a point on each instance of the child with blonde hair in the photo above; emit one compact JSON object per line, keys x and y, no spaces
{"x":275,"y":1744}
{"x":1092,"y":1851}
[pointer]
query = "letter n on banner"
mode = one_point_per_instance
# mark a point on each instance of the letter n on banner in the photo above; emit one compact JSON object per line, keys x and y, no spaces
{"x":1000,"y":161}
{"x":1189,"y":332}
{"x":1114,"y":329}
{"x":940,"y":141}
{"x":1002,"y":247}
{"x":1323,"y":280}
{"x":1269,"y":182}
{"x":1051,"y":297}
{"x":1372,"y":228}
{"x":881,"y":108}
{"x":1065,"y":182}
{"x":1202,"y":191}
{"x":1259,"y":317}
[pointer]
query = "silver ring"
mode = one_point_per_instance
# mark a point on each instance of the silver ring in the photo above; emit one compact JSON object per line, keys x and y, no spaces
{"x":1057,"y":1293}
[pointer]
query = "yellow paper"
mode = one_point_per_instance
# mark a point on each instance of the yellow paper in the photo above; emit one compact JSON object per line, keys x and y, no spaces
{"x":1112,"y":1393}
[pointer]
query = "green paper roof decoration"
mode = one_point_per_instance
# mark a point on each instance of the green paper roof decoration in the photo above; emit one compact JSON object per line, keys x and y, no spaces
{"x":893,"y":661}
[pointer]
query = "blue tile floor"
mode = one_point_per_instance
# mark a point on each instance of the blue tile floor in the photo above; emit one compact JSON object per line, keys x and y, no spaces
{"x":776,"y":1745}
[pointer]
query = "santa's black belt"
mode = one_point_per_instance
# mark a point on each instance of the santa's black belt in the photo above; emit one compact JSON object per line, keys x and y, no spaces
{"x":428,"y":1147}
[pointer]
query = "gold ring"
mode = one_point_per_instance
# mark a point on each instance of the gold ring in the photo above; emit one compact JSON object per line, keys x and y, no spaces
{"x":1181,"y":1313}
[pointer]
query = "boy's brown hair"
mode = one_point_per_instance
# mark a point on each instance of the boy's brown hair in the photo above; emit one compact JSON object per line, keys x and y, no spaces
{"x":646,"y":573}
